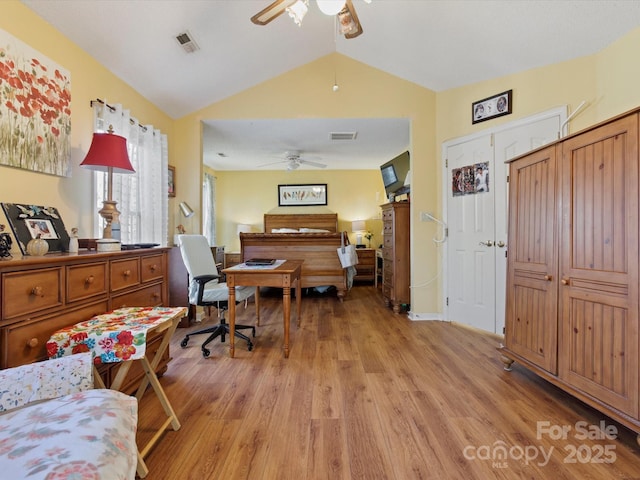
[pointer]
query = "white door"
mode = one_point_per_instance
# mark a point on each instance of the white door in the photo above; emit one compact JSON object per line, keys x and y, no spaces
{"x":471,"y":219}
{"x":477,"y":243}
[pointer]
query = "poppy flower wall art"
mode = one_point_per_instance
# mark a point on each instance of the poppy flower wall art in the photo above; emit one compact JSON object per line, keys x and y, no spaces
{"x":35,"y":110}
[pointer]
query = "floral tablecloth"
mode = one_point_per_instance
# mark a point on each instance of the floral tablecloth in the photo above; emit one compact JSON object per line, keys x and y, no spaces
{"x":116,"y":336}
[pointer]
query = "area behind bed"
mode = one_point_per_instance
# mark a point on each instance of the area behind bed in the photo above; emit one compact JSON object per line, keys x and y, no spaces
{"x":296,"y":221}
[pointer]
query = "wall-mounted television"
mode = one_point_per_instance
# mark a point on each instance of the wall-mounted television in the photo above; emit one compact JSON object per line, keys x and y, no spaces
{"x":394,"y":173}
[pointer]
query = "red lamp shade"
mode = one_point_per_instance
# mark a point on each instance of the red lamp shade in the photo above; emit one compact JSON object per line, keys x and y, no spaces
{"x":108,"y":150}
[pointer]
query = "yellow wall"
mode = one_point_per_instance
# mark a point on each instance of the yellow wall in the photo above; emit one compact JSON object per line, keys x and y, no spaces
{"x":89,"y":80}
{"x":353,"y":194}
{"x":305,"y":92}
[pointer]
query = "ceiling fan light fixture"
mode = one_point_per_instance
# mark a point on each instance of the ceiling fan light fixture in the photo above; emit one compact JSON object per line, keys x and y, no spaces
{"x":346,"y":24}
{"x":330,"y":7}
{"x":298,"y":10}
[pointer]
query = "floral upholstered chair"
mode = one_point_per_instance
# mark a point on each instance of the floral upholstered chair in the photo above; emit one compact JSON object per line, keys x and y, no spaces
{"x":54,"y":425}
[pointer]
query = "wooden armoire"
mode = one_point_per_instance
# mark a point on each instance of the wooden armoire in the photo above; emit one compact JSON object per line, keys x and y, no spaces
{"x":572,"y":266}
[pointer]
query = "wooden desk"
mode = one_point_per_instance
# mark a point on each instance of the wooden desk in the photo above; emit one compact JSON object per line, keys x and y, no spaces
{"x":283,"y":276}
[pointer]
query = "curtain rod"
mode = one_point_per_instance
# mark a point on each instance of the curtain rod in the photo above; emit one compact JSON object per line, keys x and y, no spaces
{"x":113,"y":109}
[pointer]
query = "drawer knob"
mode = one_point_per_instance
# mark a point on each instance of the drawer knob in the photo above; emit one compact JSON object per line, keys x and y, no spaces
{"x":33,"y":342}
{"x":89,"y":280}
{"x":564,"y":281}
{"x":126,"y":273}
{"x":37,"y":292}
{"x":155,"y":295}
{"x":548,"y":278}
{"x":153,"y":267}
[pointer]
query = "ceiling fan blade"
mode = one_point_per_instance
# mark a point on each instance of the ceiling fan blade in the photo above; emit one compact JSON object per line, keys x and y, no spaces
{"x":313,"y":164}
{"x":271,"y":12}
{"x":349,"y":23}
{"x":272,"y":163}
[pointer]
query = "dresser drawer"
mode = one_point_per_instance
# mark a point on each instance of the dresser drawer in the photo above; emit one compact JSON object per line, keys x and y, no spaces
{"x":152,"y":268}
{"x":25,"y":342}
{"x":150,"y":296}
{"x":387,"y":278}
{"x":31,"y":291}
{"x":124,"y":273}
{"x":366,"y":255}
{"x":85,"y":281}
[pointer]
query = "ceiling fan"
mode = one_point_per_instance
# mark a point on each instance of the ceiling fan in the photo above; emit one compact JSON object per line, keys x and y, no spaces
{"x":295,"y":161}
{"x":348,"y":22}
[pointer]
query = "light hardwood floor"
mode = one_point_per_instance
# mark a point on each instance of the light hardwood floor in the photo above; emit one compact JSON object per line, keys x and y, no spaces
{"x":368,"y":394}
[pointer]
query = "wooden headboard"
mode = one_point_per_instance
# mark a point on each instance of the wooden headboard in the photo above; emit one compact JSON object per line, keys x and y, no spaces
{"x":324,"y":221}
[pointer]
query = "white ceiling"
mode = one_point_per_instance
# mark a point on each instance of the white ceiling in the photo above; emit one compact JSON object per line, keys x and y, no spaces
{"x":438,"y":44}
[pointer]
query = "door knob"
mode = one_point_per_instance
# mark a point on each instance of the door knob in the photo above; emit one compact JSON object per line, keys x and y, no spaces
{"x":488,"y":243}
{"x":500,"y":244}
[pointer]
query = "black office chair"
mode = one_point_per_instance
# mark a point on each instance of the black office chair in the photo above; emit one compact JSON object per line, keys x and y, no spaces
{"x":207,"y":291}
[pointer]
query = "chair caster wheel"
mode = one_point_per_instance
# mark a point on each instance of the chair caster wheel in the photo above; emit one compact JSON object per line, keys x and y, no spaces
{"x":250,"y":346}
{"x":205,"y":353}
{"x":184,"y":342}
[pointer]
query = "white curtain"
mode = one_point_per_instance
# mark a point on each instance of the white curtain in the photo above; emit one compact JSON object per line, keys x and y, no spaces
{"x":141,"y":196}
{"x":209,"y":208}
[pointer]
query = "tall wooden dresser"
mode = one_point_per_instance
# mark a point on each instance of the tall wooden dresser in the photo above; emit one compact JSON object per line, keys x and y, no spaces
{"x":396,"y":261}
{"x":573,"y":297}
{"x":39,"y":295}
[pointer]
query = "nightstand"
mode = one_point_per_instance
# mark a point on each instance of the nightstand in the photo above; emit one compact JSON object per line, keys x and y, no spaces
{"x":232,"y":258}
{"x":366,"y":267}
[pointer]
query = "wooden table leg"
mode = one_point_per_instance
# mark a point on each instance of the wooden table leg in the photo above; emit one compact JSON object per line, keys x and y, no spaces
{"x":298,"y":299}
{"x":286,"y":309}
{"x":232,"y":318}
{"x":256,"y":296}
{"x":166,"y":340}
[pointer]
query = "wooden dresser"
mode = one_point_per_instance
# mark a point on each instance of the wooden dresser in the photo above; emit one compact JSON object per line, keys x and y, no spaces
{"x":39,"y":295}
{"x":396,"y":261}
{"x":573,"y":302}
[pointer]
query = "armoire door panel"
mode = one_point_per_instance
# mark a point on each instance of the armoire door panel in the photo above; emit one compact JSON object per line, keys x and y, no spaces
{"x":599,"y":266}
{"x":595,"y":353}
{"x":531,"y":315}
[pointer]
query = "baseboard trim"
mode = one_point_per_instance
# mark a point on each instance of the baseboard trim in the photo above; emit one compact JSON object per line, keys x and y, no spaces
{"x":424,"y":316}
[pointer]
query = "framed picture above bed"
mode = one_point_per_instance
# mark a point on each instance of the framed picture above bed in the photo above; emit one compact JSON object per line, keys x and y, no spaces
{"x":302,"y":195}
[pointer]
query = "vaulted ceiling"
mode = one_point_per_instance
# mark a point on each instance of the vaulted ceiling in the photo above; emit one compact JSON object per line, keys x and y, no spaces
{"x":438,"y":44}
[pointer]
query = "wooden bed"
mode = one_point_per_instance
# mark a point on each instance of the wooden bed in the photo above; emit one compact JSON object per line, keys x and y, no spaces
{"x":321,"y":265}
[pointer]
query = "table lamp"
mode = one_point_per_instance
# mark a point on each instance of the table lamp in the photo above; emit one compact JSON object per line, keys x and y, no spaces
{"x":108,"y":153}
{"x":358,"y":226}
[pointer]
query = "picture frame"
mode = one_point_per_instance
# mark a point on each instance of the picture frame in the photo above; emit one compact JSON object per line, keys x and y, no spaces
{"x":27,"y":221}
{"x":171,"y":181}
{"x":302,"y":195}
{"x":492,"y":107}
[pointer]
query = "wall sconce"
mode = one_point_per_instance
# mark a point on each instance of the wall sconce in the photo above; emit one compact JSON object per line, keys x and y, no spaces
{"x":358,"y":226}
{"x":186,"y":210}
{"x":108,"y":153}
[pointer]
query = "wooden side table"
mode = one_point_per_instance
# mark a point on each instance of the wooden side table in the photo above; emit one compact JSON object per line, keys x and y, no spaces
{"x":366,"y":268}
{"x":121,"y":336}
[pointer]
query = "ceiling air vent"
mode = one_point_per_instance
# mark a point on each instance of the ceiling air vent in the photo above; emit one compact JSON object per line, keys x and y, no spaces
{"x":343,"y":135}
{"x":187,"y":42}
